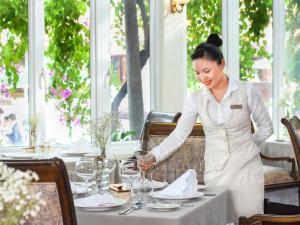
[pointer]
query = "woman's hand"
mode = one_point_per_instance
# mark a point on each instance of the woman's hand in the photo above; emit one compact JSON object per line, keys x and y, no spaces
{"x":147,"y":162}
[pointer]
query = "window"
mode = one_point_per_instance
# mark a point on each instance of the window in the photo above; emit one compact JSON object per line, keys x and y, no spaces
{"x":203,"y":20}
{"x":290,"y":93}
{"x":60,"y":77}
{"x":129,"y":68}
{"x":256,"y":38}
{"x":66,"y":70}
{"x":14,"y":73}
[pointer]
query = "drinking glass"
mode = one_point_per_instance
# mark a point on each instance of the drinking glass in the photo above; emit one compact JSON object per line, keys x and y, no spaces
{"x":129,"y":171}
{"x":86,"y":169}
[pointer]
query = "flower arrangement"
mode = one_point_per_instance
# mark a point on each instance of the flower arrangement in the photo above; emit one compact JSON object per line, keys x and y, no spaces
{"x":103,"y":127}
{"x":17,"y":202}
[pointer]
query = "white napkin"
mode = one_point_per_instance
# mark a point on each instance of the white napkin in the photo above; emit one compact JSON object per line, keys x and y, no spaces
{"x":97,"y":200}
{"x":81,"y":145}
{"x":186,"y":184}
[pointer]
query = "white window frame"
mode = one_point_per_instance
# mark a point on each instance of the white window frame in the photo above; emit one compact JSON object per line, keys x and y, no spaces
{"x":230,"y":30}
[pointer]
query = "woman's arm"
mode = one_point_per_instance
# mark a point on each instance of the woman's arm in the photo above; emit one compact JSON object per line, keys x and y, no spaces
{"x":260,"y":115}
{"x":183,"y":129}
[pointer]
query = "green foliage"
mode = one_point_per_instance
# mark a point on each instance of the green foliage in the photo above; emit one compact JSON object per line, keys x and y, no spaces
{"x":255,"y":16}
{"x":291,"y":80}
{"x":13,"y":28}
{"x":123,"y":135}
{"x":204,"y":17}
{"x":68,"y":54}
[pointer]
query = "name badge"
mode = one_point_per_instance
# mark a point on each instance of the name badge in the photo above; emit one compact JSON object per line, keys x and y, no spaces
{"x":236,"y":107}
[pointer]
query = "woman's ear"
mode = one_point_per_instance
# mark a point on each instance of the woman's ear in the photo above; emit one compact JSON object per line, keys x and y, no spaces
{"x":222,"y":64}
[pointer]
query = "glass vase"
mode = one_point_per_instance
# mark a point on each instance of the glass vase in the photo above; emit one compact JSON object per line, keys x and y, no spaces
{"x":104,"y":167}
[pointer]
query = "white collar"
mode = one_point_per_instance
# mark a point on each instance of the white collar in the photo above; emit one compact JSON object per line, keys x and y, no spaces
{"x":232,"y":86}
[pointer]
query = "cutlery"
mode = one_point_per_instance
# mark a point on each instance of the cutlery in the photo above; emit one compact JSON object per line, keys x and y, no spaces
{"x":135,"y":206}
{"x":209,"y":194}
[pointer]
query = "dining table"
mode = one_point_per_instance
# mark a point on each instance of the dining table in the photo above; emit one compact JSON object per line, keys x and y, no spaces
{"x":214,"y":208}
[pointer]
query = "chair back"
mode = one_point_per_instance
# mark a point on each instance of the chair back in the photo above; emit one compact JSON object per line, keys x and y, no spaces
{"x":293,"y":127}
{"x":189,"y":155}
{"x":269,"y":219}
{"x":54,"y":185}
{"x":160,"y":117}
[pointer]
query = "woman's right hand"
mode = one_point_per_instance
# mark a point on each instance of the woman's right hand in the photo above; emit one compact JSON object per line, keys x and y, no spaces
{"x":147,"y":162}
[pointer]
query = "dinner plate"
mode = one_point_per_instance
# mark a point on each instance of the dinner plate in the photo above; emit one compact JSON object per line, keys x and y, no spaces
{"x":157,"y":194}
{"x":73,"y":153}
{"x":79,"y":203}
{"x":19,"y":155}
{"x":160,"y":206}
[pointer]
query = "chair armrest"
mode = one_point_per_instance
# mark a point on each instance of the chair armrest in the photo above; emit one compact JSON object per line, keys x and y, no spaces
{"x":288,"y":159}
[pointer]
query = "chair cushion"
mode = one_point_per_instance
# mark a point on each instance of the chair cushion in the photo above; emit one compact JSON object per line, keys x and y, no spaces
{"x":190,"y":155}
{"x":275,"y":175}
{"x":50,"y":213}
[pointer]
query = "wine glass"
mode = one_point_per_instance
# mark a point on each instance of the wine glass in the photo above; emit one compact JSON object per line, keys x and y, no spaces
{"x":129,"y":171}
{"x":86,"y":169}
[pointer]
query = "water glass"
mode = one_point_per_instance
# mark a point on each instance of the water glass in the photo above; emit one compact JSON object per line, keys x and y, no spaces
{"x":86,"y":169}
{"x":129,"y":171}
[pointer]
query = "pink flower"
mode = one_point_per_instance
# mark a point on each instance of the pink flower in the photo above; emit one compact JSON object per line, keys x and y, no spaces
{"x":50,"y":73}
{"x":86,"y":23}
{"x":297,"y":113}
{"x":54,"y":92}
{"x":6,"y":94}
{"x":76,"y":122}
{"x":66,"y":93}
{"x":19,"y":68}
{"x":3,"y":87}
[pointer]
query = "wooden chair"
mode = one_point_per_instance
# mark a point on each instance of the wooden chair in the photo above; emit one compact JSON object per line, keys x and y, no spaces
{"x":54,"y":185}
{"x":293,"y":127}
{"x":275,"y":177}
{"x":160,"y":117}
{"x":268,"y":219}
{"x":189,"y":155}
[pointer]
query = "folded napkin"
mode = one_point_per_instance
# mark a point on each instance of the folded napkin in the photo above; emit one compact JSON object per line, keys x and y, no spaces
{"x":97,"y":200}
{"x":186,"y":184}
{"x":80,"y":146}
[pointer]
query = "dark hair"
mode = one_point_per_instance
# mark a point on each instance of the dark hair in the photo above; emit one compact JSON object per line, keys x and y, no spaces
{"x":12,"y":116}
{"x":209,"y":49}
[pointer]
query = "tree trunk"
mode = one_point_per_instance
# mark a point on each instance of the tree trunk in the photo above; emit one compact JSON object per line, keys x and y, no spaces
{"x":144,"y":55}
{"x":134,"y":80}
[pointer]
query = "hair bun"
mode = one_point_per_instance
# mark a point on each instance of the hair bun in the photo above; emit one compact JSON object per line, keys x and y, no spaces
{"x":214,"y":39}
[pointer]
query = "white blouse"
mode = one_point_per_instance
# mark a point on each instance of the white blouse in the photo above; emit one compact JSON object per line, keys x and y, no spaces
{"x":220,"y":113}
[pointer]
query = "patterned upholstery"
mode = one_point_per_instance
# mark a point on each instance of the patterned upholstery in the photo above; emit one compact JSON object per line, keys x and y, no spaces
{"x":50,"y":213}
{"x":276,"y":175}
{"x":189,"y":155}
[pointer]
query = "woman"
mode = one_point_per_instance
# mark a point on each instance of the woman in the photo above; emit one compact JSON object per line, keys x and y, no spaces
{"x":225,"y":108}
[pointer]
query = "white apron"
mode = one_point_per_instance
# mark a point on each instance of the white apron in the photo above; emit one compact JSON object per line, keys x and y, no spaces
{"x":232,"y":157}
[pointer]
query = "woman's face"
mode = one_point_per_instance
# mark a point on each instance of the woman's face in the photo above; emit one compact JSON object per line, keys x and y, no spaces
{"x":209,"y":72}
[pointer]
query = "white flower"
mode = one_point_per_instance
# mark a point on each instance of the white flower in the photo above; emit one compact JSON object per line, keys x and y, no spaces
{"x":14,"y":191}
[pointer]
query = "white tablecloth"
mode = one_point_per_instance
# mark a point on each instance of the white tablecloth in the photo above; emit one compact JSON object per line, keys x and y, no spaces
{"x":208,"y":210}
{"x":278,"y":149}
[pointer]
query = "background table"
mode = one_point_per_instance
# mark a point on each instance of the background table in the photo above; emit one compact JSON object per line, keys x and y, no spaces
{"x":207,"y":210}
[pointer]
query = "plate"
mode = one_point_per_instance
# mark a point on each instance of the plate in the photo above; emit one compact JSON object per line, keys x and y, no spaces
{"x":81,"y":204}
{"x":163,"y":206}
{"x":19,"y":155}
{"x":176,"y":197}
{"x":73,"y":153}
{"x":201,"y":186}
